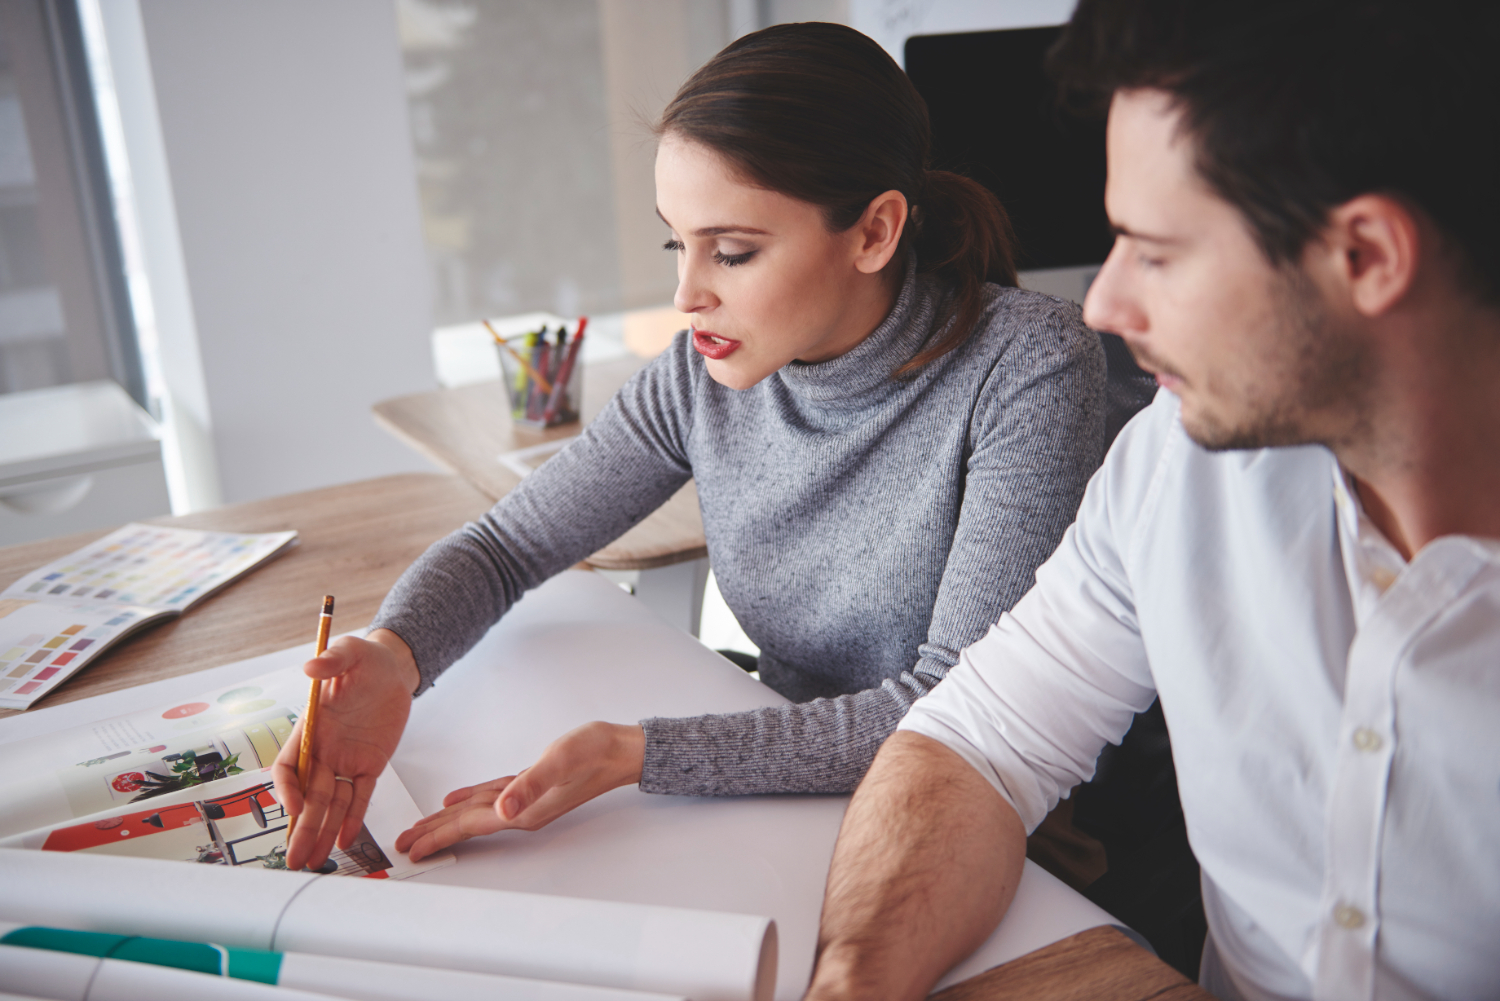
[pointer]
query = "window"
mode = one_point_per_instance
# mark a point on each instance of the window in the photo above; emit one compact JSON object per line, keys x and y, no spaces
{"x":64,"y":310}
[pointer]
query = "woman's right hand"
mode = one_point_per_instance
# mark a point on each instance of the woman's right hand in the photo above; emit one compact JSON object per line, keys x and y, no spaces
{"x":361,"y":716}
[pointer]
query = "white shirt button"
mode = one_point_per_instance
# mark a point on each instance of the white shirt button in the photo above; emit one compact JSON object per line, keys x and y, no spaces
{"x":1348,"y":917}
{"x":1382,"y":578}
{"x":1366,"y":739}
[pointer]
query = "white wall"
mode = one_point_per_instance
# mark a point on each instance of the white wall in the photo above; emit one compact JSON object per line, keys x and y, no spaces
{"x":287,"y":158}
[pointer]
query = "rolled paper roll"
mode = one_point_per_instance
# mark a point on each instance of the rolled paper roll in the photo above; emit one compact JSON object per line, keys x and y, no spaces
{"x":34,"y":973}
{"x":340,"y":978}
{"x":704,"y":955}
{"x":63,"y":976}
{"x":147,"y":897}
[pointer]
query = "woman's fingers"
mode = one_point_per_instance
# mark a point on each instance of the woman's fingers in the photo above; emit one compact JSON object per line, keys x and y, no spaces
{"x":332,"y":812}
{"x":284,"y":773}
{"x":362,"y":788}
{"x":461,"y":795}
{"x":342,"y":654}
{"x":578,"y":766}
{"x":462,"y":823}
{"x":316,"y":800}
{"x":339,"y":795}
{"x":582,"y":764}
{"x":482,"y":799}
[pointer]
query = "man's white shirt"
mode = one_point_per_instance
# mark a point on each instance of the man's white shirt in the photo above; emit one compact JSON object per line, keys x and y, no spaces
{"x":1334,"y":710}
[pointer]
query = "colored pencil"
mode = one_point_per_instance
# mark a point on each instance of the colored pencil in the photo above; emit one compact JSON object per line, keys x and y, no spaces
{"x":555,"y":400}
{"x":526,"y":366}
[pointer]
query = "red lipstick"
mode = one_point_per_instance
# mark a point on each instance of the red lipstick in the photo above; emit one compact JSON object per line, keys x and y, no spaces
{"x":711,"y":345}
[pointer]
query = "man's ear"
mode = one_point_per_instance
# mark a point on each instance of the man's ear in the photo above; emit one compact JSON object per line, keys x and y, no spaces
{"x":878,"y":232}
{"x":1378,"y":243}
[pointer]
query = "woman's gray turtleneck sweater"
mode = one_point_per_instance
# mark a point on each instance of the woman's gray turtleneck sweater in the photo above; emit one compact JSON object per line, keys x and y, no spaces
{"x":864,"y":529}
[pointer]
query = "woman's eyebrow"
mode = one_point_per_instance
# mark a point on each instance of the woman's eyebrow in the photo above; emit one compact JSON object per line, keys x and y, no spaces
{"x":718,"y":230}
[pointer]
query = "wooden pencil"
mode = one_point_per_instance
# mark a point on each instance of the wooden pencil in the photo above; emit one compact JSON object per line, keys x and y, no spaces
{"x":314,"y":696}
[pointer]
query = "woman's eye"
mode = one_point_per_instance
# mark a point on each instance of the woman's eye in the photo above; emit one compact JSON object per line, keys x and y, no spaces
{"x":673,"y":245}
{"x":730,"y":260}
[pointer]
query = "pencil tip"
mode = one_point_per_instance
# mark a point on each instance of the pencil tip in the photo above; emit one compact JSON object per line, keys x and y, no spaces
{"x":327,"y":604}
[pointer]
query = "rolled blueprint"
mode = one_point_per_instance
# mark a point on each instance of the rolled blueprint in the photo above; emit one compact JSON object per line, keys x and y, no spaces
{"x":703,"y":955}
{"x":337,"y":978}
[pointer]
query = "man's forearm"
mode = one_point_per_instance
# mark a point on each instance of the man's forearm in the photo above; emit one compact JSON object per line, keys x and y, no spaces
{"x":927,"y":861}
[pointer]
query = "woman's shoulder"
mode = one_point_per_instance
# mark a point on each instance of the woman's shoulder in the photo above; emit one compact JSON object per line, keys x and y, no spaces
{"x":1019,"y":324}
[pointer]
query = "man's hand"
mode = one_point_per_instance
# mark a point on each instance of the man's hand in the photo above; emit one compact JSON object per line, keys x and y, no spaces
{"x":360,"y":719}
{"x":927,"y":861}
{"x":578,"y":766}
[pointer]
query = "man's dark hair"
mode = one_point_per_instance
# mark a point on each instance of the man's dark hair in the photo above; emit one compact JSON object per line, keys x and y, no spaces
{"x":1297,"y":106}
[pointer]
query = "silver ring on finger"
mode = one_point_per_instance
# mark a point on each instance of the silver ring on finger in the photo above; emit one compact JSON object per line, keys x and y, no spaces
{"x":343,"y":778}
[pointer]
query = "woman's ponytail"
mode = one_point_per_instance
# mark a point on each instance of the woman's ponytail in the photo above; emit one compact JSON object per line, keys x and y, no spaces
{"x":822,"y":113}
{"x":962,"y":234}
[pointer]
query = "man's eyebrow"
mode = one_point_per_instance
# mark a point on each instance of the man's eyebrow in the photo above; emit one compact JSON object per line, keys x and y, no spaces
{"x":719,"y":230}
{"x":1119,"y":230}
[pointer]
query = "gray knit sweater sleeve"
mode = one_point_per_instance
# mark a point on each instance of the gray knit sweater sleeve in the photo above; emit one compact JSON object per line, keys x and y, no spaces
{"x":1035,"y":436}
{"x":627,"y":463}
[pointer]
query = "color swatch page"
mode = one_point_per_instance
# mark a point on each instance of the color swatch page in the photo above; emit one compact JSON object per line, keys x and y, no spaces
{"x":42,"y":643}
{"x":150,"y":565}
{"x":56,"y":619}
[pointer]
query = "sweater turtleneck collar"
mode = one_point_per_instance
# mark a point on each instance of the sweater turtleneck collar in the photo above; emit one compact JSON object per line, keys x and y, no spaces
{"x":866,"y":369}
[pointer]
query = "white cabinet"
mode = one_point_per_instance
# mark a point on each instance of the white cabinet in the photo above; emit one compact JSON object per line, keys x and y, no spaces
{"x":74,"y":458}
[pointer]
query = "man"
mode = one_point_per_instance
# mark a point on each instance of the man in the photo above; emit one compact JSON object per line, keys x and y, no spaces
{"x":1297,"y":546}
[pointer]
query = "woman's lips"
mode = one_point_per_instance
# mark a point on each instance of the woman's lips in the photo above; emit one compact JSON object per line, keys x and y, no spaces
{"x":711,"y":345}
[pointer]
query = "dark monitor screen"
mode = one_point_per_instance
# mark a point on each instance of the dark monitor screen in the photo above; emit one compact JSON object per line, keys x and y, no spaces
{"x":994,"y":118}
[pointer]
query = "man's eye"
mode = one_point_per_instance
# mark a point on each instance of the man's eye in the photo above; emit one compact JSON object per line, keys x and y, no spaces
{"x":730,"y":260}
{"x":673,"y":245}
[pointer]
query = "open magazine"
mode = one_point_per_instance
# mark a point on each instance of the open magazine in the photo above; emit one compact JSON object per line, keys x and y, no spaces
{"x":189,"y":782}
{"x":58,"y":618}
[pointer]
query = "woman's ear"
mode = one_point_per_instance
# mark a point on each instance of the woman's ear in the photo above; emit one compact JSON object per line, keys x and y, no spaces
{"x":878,"y":232}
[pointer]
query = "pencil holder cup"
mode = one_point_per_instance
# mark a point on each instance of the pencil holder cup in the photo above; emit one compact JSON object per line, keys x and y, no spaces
{"x":543,"y":378}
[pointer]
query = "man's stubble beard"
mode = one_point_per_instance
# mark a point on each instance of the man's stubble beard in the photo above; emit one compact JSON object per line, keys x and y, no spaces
{"x":1312,"y":389}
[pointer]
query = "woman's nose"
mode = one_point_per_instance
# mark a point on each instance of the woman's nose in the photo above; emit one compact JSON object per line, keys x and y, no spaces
{"x":693,"y":292}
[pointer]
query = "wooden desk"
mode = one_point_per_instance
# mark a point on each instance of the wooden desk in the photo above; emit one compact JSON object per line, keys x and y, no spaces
{"x":1100,"y":964}
{"x":465,"y":428}
{"x":354,"y":541}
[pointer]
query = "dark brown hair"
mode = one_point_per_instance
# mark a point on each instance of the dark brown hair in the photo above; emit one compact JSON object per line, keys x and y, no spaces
{"x":821,"y":113}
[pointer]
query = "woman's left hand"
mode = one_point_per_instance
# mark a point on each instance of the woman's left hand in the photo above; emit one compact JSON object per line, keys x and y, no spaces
{"x":578,"y":766}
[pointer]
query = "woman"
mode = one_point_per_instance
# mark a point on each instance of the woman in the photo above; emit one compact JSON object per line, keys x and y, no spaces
{"x":886,"y":435}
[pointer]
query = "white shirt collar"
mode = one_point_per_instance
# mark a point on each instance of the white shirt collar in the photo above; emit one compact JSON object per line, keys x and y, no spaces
{"x":1371,"y":562}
